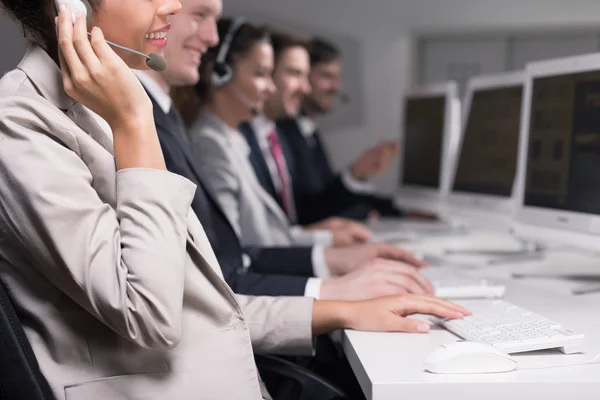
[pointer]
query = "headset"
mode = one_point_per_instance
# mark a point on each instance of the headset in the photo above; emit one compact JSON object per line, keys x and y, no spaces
{"x":153,"y":61}
{"x":222,"y":72}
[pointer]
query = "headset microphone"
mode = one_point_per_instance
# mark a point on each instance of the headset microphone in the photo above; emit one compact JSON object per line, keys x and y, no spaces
{"x":253,"y":110}
{"x":153,"y":61}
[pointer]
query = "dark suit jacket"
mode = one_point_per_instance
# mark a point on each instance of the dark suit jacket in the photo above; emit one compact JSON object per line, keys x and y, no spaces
{"x":273,"y":271}
{"x":259,"y":163}
{"x":318,"y":191}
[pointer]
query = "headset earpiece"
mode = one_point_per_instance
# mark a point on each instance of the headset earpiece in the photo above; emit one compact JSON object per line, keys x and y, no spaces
{"x":77,"y":6}
{"x":222,"y":72}
{"x":221,"y":75}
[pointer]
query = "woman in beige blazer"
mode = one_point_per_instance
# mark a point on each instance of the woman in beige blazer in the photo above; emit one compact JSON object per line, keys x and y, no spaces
{"x":114,"y":280}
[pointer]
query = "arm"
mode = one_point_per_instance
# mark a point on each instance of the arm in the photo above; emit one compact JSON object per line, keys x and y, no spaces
{"x":286,"y":260}
{"x":124,"y":265}
{"x":258,"y":284}
{"x":279,"y":325}
{"x":314,"y":206}
{"x":287,"y":325}
{"x":218,"y":172}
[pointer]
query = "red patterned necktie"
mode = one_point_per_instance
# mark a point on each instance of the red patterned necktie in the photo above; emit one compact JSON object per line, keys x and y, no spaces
{"x":284,"y":178}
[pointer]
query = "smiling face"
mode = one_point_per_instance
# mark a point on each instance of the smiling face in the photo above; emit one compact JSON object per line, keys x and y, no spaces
{"x":326,"y":82}
{"x":291,"y":80}
{"x":194,"y":31}
{"x":252,"y":82}
{"x":142,"y":25}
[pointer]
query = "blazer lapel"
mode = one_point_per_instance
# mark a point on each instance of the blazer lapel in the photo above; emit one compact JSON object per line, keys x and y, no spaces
{"x":258,"y":160}
{"x":265,"y":197}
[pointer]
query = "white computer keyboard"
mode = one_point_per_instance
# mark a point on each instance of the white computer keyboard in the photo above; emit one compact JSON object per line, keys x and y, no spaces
{"x":450,"y":284}
{"x":513,"y":329}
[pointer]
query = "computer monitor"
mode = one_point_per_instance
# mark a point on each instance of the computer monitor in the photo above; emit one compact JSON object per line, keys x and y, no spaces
{"x":559,"y":158}
{"x":428,"y":136}
{"x":485,"y":169}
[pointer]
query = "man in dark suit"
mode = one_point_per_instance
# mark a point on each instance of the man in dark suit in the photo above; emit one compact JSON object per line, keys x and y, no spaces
{"x":273,"y":271}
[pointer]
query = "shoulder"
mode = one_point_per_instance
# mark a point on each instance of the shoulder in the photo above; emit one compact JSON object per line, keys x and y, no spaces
{"x":289,"y":128}
{"x":209,"y":140}
{"x":25,"y":115}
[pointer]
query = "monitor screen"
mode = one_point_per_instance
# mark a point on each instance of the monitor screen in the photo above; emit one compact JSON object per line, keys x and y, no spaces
{"x":423,"y":139}
{"x":563,"y":164}
{"x":490,"y":145}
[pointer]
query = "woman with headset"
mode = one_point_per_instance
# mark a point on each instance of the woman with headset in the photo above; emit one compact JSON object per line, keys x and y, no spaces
{"x":112,"y":276}
{"x":235,"y":81}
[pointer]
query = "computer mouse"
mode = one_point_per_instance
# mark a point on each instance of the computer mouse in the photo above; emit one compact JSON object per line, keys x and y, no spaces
{"x":464,"y":357}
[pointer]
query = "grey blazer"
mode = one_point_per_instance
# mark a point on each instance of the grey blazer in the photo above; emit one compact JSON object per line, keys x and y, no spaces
{"x":118,"y":290}
{"x":223,"y":154}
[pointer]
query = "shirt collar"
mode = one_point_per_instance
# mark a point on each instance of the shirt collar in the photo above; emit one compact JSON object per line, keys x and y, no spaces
{"x":262,"y":127}
{"x":307,"y":126}
{"x":158,"y":94}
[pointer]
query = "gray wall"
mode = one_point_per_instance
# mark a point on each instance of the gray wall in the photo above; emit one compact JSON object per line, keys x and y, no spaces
{"x":12,"y":45}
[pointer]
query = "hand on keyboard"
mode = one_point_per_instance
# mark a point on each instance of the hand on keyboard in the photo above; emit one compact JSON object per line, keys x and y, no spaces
{"x":377,"y":278}
{"x":512,"y":329}
{"x":388,"y":314}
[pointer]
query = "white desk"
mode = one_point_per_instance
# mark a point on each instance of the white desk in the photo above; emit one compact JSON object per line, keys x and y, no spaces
{"x":390,"y":366}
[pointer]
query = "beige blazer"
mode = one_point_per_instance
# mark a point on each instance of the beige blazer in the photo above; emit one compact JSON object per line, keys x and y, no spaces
{"x":119,"y":295}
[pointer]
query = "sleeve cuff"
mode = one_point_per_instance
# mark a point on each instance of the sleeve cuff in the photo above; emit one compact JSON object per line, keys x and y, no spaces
{"x":354,"y":185}
{"x":313,"y":288}
{"x":303,"y":237}
{"x":319,"y":264}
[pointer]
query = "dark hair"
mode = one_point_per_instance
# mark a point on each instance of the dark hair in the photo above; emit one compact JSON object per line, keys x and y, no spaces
{"x":282,"y":41}
{"x":322,"y":51}
{"x":244,"y":40}
{"x":37,"y":19}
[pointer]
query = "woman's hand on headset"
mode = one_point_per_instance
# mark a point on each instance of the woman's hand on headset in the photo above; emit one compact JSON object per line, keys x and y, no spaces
{"x":94,"y":75}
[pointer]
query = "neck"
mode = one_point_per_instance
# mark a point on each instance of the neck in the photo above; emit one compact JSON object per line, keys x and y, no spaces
{"x":309,"y":110}
{"x":160,"y":79}
{"x":223,"y":110}
{"x":271,"y":113}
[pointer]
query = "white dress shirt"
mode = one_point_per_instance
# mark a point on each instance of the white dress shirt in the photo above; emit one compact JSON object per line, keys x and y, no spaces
{"x":308,"y":128}
{"x":313,"y":286}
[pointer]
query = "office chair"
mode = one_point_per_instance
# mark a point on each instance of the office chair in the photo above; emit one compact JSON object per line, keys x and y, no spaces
{"x":288,"y":381}
{"x":20,"y":375}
